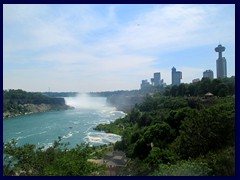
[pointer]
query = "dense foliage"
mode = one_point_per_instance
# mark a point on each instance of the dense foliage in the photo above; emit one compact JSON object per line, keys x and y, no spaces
{"x":179,"y":135}
{"x":176,"y":132}
{"x":57,"y":160}
{"x":219,"y":87}
{"x":17,"y":102}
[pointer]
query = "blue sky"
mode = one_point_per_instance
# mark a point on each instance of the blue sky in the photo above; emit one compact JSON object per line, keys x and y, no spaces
{"x":87,"y":48}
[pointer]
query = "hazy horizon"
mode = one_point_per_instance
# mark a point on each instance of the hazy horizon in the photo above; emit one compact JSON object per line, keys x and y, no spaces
{"x":93,"y":48}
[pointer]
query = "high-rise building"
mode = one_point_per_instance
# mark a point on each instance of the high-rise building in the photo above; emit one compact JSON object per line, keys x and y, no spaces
{"x":221,"y":62}
{"x":145,"y":84}
{"x":208,"y":74}
{"x":156,"y":78}
{"x":176,"y":76}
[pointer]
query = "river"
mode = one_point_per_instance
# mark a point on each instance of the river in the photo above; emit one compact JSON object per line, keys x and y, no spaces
{"x":74,"y":126}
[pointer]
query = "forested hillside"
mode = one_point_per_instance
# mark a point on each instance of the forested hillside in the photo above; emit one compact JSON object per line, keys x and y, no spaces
{"x":176,"y":132}
{"x":178,"y":136}
{"x":19,"y":102}
{"x":180,"y":131}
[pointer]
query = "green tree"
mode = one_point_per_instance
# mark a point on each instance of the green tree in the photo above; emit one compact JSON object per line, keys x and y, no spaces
{"x":204,"y":86}
{"x":184,"y":168}
{"x":57,"y":160}
{"x":206,"y":130}
{"x":158,"y":156}
{"x":182,"y":89}
{"x":222,"y":90}
{"x":134,"y":115}
{"x":145,"y":120}
{"x":222,"y":162}
{"x":174,"y":91}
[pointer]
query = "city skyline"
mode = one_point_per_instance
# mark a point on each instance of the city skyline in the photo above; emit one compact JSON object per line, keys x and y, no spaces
{"x":86,"y":48}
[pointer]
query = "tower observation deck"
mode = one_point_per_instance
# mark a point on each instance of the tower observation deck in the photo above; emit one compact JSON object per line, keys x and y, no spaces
{"x":220,"y":49}
{"x":221,"y":62}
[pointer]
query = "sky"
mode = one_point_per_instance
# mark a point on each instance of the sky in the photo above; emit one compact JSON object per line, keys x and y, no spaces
{"x":90,"y":48}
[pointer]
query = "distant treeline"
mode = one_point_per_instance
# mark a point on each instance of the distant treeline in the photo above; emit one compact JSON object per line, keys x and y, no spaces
{"x":218,"y":87}
{"x":126,"y":100}
{"x":17,"y":102}
{"x":22,"y":97}
{"x":116,"y":93}
{"x":101,"y":94}
{"x":60,"y":94}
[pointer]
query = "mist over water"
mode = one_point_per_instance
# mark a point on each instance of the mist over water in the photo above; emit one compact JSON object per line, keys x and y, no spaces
{"x":74,"y":126}
{"x":85,"y":101}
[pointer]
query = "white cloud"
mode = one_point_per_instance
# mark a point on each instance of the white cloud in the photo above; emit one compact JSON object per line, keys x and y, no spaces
{"x":82,"y":42}
{"x":172,"y":27}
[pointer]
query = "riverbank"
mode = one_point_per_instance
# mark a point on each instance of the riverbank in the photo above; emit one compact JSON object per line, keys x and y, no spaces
{"x":19,"y":102}
{"x":26,"y":109}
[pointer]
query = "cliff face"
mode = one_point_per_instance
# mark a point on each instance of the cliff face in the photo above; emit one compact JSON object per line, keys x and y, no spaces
{"x":23,"y":106}
{"x":125,"y":102}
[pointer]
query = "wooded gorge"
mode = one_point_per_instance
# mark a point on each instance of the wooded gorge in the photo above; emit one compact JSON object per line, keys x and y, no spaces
{"x":167,"y":134}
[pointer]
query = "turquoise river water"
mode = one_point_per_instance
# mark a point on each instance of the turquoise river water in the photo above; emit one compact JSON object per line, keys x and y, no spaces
{"x":74,"y":126}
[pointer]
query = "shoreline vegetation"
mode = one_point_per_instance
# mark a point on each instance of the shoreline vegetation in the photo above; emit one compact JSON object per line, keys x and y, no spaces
{"x":178,"y":136}
{"x":19,"y":102}
{"x":185,"y":130}
{"x":28,"y":109}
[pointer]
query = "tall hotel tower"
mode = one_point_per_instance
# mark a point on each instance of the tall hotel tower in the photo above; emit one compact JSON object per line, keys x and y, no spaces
{"x":176,"y":76}
{"x":221,"y":62}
